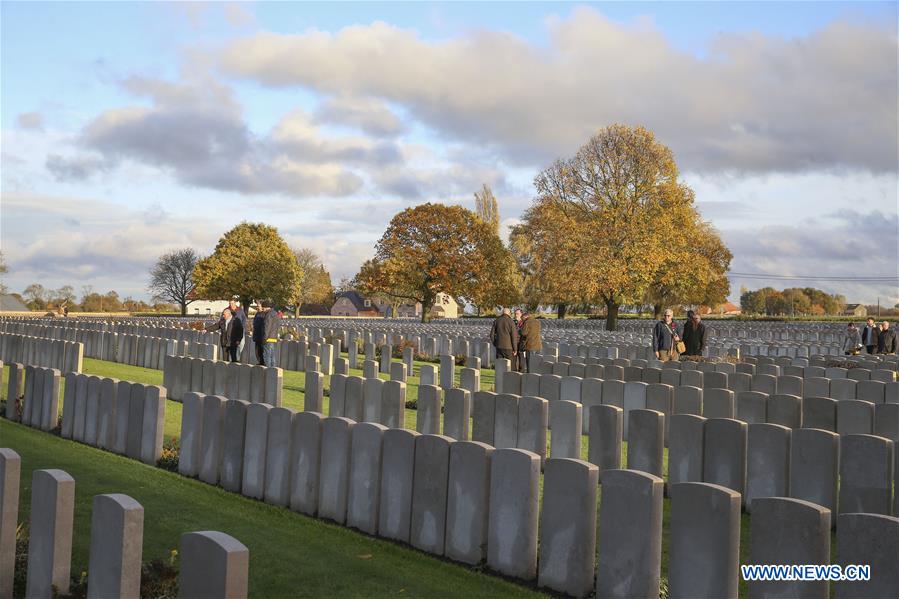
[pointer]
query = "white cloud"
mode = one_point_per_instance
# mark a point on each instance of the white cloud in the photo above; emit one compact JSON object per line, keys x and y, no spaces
{"x":756,"y":103}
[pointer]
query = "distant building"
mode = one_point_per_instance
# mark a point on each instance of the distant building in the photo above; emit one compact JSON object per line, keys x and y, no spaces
{"x":444,"y":307}
{"x":10,"y":303}
{"x":857,"y":310}
{"x":352,"y":303}
{"x":206,"y":307}
{"x":725,"y":309}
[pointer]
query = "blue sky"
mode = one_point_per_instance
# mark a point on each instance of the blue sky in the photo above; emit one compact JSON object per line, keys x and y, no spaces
{"x":132,"y":128}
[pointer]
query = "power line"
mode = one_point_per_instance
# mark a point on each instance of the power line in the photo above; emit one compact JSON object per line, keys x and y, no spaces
{"x":870,"y":279}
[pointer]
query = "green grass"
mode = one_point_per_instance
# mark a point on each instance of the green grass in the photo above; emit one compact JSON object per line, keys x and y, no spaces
{"x":291,"y":555}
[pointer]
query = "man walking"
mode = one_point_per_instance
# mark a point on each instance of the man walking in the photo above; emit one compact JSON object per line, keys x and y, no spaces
{"x":886,"y":341}
{"x":530,"y":341}
{"x":694,"y":335}
{"x":869,"y":336}
{"x":231,"y":332}
{"x":272,"y":327}
{"x":664,"y":337}
{"x":504,"y":335}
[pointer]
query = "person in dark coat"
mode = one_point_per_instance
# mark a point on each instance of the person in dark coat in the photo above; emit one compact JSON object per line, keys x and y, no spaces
{"x":231,"y":332}
{"x":272,"y":328}
{"x":664,"y":336}
{"x":870,"y":336}
{"x":259,"y":334}
{"x":504,"y":335}
{"x":694,"y":335}
{"x":886,"y":341}
{"x":238,"y":312}
{"x":529,"y":342}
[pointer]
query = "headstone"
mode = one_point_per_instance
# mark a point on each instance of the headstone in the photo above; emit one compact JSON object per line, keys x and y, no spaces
{"x":364,"y":486}
{"x":313,"y":395}
{"x":468,"y":501}
{"x":353,"y":406}
{"x":788,"y":531}
{"x":213,"y":565}
{"x":873,"y":540}
{"x":724,"y":457}
{"x":117,"y":530}
{"x":565,"y":421}
{"x":305,"y":461}
{"x":122,"y":413}
{"x":533,"y":419}
{"x":397,"y":468}
{"x":393,"y":404}
{"x":483,"y":414}
{"x":752,"y":406}
{"x":605,"y":437}
{"x":191,"y":434}
{"x":428,"y":375}
{"x":505,"y":432}
{"x":855,"y":417}
{"x":785,"y":410}
{"x":50,"y":535}
{"x":686,"y":444}
{"x":427,"y":416}
{"x":231,"y":470}
{"x":429,"y":493}
{"x":212,"y":438}
{"x":634,"y":399}
{"x":135,"y":431}
{"x":372,"y":390}
{"x":645,"y":446}
{"x":10,"y":472}
{"x":457,"y":413}
{"x":277,"y":457}
{"x":886,"y":422}
{"x":512,"y":521}
{"x":630,"y":546}
{"x":568,"y":526}
{"x":866,"y":474}
{"x":819,"y":412}
{"x":704,"y":541}
{"x":335,"y":468}
{"x":814,"y":462}
{"x":152,"y":424}
{"x":255,"y":444}
{"x":768,"y":462}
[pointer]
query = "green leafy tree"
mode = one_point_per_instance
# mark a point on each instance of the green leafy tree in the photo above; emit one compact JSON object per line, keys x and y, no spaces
{"x":486,"y":207}
{"x":251,"y":261}
{"x":3,"y":270}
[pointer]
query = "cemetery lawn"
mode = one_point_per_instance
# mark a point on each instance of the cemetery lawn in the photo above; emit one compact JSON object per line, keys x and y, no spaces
{"x":291,"y":555}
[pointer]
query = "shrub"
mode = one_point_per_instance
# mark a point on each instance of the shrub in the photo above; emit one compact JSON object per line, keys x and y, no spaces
{"x":171,"y":451}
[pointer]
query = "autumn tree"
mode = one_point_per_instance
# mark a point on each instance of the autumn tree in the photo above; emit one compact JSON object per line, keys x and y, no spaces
{"x":172,"y":277}
{"x":434,"y":248}
{"x":251,"y":261}
{"x":600,"y":222}
{"x":486,"y":207}
{"x":694,"y":271}
{"x":315,"y":282}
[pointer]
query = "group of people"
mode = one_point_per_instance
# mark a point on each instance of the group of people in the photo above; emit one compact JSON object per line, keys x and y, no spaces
{"x":668,"y":344}
{"x":873,"y":338}
{"x":515,"y":339}
{"x":232,"y":327}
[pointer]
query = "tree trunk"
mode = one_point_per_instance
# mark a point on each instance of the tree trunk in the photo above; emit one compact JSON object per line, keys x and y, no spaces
{"x":656,"y":311}
{"x":296,"y":310}
{"x":183,"y":308}
{"x":426,"y":305}
{"x":561,"y":310}
{"x":611,"y":316}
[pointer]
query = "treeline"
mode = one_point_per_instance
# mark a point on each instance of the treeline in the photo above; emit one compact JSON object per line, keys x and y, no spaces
{"x":802,"y":301}
{"x":39,"y":298}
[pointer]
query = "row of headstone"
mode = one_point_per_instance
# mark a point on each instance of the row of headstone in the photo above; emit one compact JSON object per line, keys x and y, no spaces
{"x":212,"y":564}
{"x":364,"y":400}
{"x":40,"y":398}
{"x":256,"y":384}
{"x":854,"y":471}
{"x":64,"y":356}
{"x":119,"y":416}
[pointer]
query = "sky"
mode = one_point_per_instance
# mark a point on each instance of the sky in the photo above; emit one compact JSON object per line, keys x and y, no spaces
{"x":131,"y":129}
